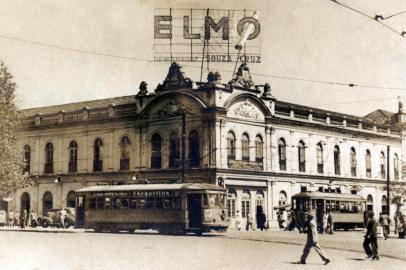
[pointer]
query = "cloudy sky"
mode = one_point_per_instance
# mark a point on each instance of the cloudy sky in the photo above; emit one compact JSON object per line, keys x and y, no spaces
{"x":309,"y":39}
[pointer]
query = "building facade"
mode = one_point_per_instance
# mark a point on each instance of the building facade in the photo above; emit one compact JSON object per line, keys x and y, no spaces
{"x":237,"y":135}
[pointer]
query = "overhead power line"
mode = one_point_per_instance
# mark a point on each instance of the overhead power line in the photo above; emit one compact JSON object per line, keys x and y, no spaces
{"x":376,"y":18}
{"x":358,"y":101}
{"x":284,"y":77}
{"x":390,"y":16}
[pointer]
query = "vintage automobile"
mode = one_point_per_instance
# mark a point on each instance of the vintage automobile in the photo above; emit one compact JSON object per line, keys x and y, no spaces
{"x":53,"y":218}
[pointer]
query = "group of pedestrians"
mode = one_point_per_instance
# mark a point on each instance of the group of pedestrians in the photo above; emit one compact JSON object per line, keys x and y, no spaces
{"x":23,"y":219}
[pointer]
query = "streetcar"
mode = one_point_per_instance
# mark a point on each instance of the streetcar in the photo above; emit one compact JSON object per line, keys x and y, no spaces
{"x":168,"y":208}
{"x":348,"y":210}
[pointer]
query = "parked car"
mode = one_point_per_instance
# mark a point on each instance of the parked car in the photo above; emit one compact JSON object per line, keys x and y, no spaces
{"x":53,"y":218}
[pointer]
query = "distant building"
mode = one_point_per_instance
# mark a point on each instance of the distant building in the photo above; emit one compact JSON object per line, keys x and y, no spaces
{"x":237,"y":134}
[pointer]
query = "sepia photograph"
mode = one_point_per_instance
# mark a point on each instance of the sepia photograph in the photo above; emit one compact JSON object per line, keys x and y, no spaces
{"x":169,"y":134}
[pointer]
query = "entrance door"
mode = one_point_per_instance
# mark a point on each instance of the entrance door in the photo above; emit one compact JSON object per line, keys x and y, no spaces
{"x":80,"y":211}
{"x":25,"y":202}
{"x":195,"y":210}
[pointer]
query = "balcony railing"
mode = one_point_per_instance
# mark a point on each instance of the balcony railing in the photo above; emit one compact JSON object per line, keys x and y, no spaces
{"x":245,"y":165}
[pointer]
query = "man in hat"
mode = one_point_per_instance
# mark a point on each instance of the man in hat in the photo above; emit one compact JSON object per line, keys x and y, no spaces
{"x":371,"y":239}
{"x":312,"y":241}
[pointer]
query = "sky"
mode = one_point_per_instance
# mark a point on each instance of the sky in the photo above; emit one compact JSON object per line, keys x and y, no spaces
{"x":308,"y":39}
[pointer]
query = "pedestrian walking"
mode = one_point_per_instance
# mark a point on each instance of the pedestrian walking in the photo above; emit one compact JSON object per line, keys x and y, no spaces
{"x":11,"y":218}
{"x":371,"y":240}
{"x":312,"y":242}
{"x":62,"y":216}
{"x":330,"y":224}
{"x":17,"y":218}
{"x":384,"y":221}
{"x":284,"y":219}
{"x":250,"y":221}
{"x":261,"y":218}
{"x":24,"y":217}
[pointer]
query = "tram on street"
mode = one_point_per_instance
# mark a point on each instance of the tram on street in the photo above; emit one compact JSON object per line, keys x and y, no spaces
{"x":168,"y":208}
{"x":348,"y":210}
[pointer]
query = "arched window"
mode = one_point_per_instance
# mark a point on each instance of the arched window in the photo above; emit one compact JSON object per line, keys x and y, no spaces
{"x":301,"y":156}
{"x":97,"y":158}
{"x":71,"y":199}
{"x":245,"y":147}
{"x":259,"y":149}
{"x":384,"y":204}
{"x":382,"y":165}
{"x":231,"y":145}
{"x":47,"y":202}
{"x":125,"y":153}
{"x":320,"y":158}
{"x":368,"y":163}
{"x":282,"y":154}
{"x":260,"y":199}
{"x":370,"y":203}
{"x":337,"y":167}
{"x":353,"y":162}
{"x":174,"y":150}
{"x":73,"y":157}
{"x":49,"y":158}
{"x":282,"y":198}
{"x":27,"y":158}
{"x":231,"y":199}
{"x":194,"y":149}
{"x":156,"y":151}
{"x":396,"y":166}
{"x":245,"y":203}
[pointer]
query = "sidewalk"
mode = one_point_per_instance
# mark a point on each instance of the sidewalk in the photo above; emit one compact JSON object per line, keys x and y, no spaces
{"x":340,"y":240}
{"x":43,"y":230}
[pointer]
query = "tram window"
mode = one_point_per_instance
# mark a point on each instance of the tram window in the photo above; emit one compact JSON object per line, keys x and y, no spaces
{"x":100,"y":203}
{"x":167,"y":202}
{"x":124,"y":202}
{"x":222,"y":200}
{"x":150,"y":203}
{"x":313,"y":204}
{"x":205,"y":202}
{"x":93,"y":203}
{"x":133,"y":203}
{"x":307,"y":205}
{"x":213,"y":200}
{"x":116,"y":203}
{"x":159,"y":203}
{"x":107,"y":203}
{"x":176,"y":202}
{"x":337,"y":206}
{"x":142,"y":203}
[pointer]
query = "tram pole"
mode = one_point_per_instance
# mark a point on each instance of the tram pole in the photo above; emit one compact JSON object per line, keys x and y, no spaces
{"x":183,"y":162}
{"x":388,"y":181}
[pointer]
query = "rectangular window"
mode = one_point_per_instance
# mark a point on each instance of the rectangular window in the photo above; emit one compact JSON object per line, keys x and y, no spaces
{"x":231,"y":208}
{"x":93,"y":203}
{"x":213,"y":200}
{"x":100,"y":203}
{"x":159,"y":203}
{"x":150,"y":203}
{"x":259,"y":151}
{"x":142,"y":202}
{"x":107,"y":203}
{"x":176,"y":202}
{"x":245,"y":150}
{"x":167,"y":202}
{"x":245,"y":209}
{"x":133,"y":203}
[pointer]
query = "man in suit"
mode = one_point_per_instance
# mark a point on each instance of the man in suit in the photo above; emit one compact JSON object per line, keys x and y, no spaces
{"x":371,"y":239}
{"x":312,"y":241}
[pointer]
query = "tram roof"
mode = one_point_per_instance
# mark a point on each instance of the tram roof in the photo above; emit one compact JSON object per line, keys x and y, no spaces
{"x":185,"y":186}
{"x":328,"y":195}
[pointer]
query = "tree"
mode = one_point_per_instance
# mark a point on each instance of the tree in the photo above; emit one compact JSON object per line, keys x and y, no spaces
{"x":11,"y":177}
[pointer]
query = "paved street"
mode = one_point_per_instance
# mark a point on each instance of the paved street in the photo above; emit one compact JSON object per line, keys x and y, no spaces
{"x":242,"y":250}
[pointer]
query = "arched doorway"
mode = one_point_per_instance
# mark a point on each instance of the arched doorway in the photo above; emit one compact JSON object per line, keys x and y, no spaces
{"x":25,"y":202}
{"x":47,"y":202}
{"x":71,"y":199}
{"x":260,"y":216}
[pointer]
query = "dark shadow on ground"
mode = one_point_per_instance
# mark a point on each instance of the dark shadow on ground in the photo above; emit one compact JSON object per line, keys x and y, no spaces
{"x":355,"y":259}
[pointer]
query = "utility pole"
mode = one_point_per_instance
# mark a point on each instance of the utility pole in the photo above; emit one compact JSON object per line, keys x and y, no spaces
{"x":387,"y":181}
{"x":183,"y":162}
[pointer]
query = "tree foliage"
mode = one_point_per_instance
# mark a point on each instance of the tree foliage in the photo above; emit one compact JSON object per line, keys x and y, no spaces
{"x":11,"y":177}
